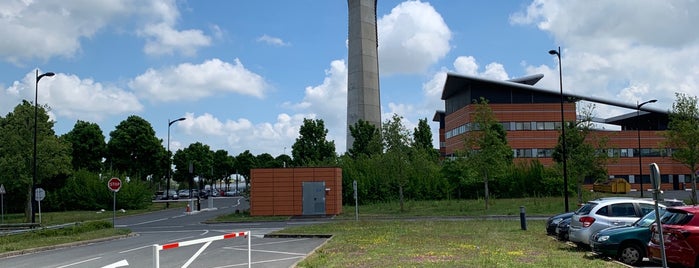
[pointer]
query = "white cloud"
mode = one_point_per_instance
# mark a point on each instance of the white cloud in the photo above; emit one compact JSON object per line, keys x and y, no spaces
{"x":162,"y":39}
{"x":618,"y":49}
{"x":412,"y":28}
{"x":276,"y":41}
{"x":49,"y":28}
{"x":72,"y":97}
{"x":195,"y":81}
{"x":467,"y":65}
{"x":241,"y":134}
{"x":44,"y":29}
{"x":328,"y":101}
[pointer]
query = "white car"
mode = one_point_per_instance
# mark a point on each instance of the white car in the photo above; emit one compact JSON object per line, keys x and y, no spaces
{"x":599,"y":214}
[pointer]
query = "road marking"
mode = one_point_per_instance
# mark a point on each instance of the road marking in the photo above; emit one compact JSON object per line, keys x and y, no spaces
{"x":117,"y":264}
{"x":280,"y":242}
{"x":134,"y":249}
{"x":147,"y":222}
{"x":80,"y":262}
{"x":267,"y":251}
{"x":259,"y":262}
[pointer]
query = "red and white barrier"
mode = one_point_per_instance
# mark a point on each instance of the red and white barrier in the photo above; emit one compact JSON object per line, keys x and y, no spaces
{"x":207,"y":241}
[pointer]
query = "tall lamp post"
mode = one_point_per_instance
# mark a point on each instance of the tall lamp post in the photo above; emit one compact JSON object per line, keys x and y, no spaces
{"x":638,"y":130}
{"x":36,"y":120}
{"x":169,"y":158}
{"x":563,"y":128}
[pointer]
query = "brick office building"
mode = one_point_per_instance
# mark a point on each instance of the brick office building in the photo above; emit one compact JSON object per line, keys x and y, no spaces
{"x":532,"y":118}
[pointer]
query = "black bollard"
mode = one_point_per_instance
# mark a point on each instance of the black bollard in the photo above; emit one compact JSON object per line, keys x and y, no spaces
{"x":522,"y":218}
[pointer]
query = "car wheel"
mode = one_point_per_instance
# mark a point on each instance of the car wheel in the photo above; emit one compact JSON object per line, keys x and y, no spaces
{"x":631,"y":254}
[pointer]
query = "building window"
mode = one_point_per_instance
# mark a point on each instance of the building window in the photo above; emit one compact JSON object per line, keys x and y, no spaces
{"x":548,"y":125}
{"x":539,"y":125}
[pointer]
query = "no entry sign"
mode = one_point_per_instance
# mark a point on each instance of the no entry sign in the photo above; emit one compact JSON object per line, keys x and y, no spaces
{"x":114,"y":184}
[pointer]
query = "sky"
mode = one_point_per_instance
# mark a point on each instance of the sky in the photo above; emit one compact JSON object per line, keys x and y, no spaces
{"x":245,"y":74}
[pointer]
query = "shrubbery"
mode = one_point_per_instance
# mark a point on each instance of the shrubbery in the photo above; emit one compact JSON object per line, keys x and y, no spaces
{"x":86,"y":191}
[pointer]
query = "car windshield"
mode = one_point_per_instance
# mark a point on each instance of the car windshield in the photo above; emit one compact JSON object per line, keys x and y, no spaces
{"x":586,"y":208}
{"x":648,"y":219}
{"x":676,"y":217}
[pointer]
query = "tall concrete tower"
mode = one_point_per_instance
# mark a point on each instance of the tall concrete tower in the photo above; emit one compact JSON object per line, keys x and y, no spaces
{"x":363,"y":101}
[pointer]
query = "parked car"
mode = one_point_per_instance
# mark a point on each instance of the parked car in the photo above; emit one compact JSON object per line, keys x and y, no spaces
{"x":173,"y":195}
{"x":600,"y":214}
{"x":562,"y":229}
{"x":625,"y":243}
{"x":183,"y":193}
{"x":680,"y":235}
{"x":552,"y":222}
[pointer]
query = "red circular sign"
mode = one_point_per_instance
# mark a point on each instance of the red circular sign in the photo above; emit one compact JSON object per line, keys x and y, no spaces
{"x":114,"y":184}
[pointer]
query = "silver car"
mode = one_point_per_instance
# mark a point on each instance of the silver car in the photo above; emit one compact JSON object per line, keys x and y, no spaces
{"x":599,"y":214}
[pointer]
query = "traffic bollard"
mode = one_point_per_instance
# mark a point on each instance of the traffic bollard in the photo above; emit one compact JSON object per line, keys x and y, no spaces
{"x":522,"y":217}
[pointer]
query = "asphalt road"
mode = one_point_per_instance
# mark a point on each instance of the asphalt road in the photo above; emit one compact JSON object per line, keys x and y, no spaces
{"x":175,"y":225}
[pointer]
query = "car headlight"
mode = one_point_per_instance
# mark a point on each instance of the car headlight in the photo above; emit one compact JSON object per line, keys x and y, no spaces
{"x":602,"y":238}
{"x":556,"y":221}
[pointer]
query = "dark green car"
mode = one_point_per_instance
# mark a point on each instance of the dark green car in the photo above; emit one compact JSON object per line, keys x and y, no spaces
{"x":628,"y":243}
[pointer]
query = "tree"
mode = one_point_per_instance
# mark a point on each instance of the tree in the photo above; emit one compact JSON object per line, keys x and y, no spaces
{"x":285,"y":160}
{"x":486,"y":145}
{"x":683,"y":135}
{"x":224,"y":165}
{"x":583,"y":151}
{"x":367,"y":139}
{"x":16,"y":155}
{"x":396,"y":142}
{"x":245,"y":161}
{"x":311,"y":147}
{"x":266,"y":160}
{"x":134,"y":149}
{"x":88,"y":145}
{"x":200,"y":158}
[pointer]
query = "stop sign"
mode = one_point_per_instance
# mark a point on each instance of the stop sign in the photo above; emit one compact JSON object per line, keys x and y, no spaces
{"x":114,"y":184}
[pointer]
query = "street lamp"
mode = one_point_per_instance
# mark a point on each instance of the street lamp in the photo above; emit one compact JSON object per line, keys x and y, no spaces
{"x":638,"y":130}
{"x":36,"y":119}
{"x":169,"y":158}
{"x":563,"y":128}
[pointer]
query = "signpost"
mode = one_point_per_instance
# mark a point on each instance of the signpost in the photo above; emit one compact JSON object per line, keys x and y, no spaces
{"x":39,"y":194}
{"x":2,"y":202}
{"x":114,"y":184}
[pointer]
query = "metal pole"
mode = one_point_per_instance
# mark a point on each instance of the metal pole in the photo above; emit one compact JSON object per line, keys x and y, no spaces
{"x":169,"y":166}
{"x":563,"y":128}
{"x":638,"y":131}
{"x":36,"y":111}
{"x":169,"y":160}
{"x":114,"y":209}
{"x":36,"y":120}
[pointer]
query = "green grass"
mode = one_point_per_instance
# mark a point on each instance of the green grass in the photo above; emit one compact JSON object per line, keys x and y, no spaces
{"x":441,"y":243}
{"x":450,"y":208}
{"x":43,"y":238}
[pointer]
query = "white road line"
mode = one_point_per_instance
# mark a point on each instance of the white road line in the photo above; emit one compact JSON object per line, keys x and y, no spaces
{"x":267,"y":251}
{"x":258,"y":262}
{"x":147,"y":222}
{"x":280,"y":242}
{"x":80,"y":262}
{"x":134,"y":249}
{"x":120,"y":263}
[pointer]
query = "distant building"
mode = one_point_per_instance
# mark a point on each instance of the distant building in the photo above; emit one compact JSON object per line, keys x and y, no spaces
{"x":532,"y":118}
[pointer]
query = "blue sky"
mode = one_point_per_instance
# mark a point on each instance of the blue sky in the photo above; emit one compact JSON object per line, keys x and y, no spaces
{"x":246,"y":73}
